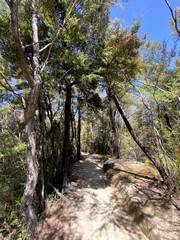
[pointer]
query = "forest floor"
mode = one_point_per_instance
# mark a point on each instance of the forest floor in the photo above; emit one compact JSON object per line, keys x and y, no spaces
{"x":93,"y":209}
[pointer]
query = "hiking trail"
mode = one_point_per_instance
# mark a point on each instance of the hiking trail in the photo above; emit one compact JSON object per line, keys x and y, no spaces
{"x":91,"y":209}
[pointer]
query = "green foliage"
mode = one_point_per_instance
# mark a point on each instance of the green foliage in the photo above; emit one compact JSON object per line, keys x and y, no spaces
{"x":46,"y":12}
{"x":11,"y":145}
{"x":11,"y":189}
{"x":85,"y":55}
{"x":121,"y":57}
{"x":12,"y":171}
{"x":159,"y":91}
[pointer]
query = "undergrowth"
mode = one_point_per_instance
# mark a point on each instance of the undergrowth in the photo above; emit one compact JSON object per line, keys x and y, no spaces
{"x":12,"y":179}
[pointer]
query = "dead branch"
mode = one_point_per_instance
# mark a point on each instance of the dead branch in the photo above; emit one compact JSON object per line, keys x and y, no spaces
{"x":174,"y":17}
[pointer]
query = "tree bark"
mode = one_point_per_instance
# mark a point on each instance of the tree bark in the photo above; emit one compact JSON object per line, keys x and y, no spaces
{"x":115,"y":147}
{"x":29,"y":113}
{"x":160,"y":168}
{"x":66,"y":140}
{"x":79,"y":132}
{"x":31,"y":181}
{"x":41,"y":183}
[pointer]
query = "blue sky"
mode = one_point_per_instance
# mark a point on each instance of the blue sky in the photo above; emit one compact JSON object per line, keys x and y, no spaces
{"x":153,"y":14}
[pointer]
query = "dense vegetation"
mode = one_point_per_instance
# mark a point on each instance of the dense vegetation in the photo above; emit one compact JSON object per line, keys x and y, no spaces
{"x":72,"y":81}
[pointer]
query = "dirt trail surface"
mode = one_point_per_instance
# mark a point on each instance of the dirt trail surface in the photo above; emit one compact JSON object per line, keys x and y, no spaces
{"x":90,"y":210}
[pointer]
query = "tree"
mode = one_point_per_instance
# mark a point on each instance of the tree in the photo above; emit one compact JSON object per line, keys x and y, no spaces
{"x":31,"y":72}
{"x":121,"y":59}
{"x":82,"y":48}
{"x":34,"y":81}
{"x":65,"y":40}
{"x":159,"y":91}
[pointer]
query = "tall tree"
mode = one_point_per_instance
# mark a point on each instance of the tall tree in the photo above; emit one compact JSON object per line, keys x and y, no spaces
{"x":31,"y":68}
{"x":159,"y":92}
{"x":34,"y":81}
{"x":59,"y":44}
{"x":121,"y":58}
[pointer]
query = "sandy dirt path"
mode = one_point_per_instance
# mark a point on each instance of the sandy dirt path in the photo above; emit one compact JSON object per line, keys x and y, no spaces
{"x":91,"y":210}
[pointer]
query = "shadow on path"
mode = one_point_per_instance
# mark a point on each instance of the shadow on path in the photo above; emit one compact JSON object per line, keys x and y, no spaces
{"x":89,"y":172}
{"x":91,"y":210}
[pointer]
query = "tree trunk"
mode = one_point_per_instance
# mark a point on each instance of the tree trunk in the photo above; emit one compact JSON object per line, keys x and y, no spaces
{"x":29,"y":113}
{"x":79,"y":132}
{"x":41,"y":183}
{"x":66,"y":140}
{"x":32,"y":176}
{"x":160,"y":168}
{"x":115,"y":144}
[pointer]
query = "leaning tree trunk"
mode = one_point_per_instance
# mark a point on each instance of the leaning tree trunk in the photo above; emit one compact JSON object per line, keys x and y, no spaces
{"x":30,"y":108}
{"x":159,"y":167}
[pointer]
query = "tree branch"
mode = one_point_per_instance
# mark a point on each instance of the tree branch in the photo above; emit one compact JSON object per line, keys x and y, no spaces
{"x":14,"y":6}
{"x":174,"y":17}
{"x":30,"y":45}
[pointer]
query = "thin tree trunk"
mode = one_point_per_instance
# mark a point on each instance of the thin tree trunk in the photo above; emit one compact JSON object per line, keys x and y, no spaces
{"x":66,"y":141}
{"x":73,"y":128}
{"x":51,"y":118}
{"x":160,"y":168}
{"x":79,"y":132}
{"x":41,"y":184}
{"x":92,"y":147}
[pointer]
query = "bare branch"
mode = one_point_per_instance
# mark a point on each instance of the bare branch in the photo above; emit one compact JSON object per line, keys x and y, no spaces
{"x":44,"y":48}
{"x":174,"y":17}
{"x":30,"y":45}
{"x":65,"y":74}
